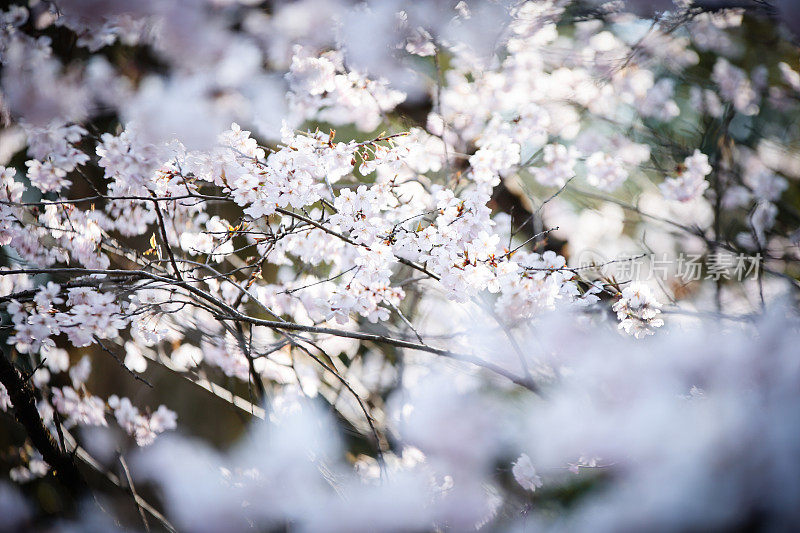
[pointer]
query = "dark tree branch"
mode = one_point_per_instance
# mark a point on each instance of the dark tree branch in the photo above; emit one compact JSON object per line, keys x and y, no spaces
{"x":24,"y":402}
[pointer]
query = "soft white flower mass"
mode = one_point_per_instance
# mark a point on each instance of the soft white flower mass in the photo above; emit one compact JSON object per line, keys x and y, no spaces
{"x":393,"y":265}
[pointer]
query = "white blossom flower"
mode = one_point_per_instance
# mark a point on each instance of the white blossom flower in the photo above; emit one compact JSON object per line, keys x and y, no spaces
{"x":525,"y":473}
{"x":638,"y":310}
{"x":691,"y":181}
{"x":605,"y":171}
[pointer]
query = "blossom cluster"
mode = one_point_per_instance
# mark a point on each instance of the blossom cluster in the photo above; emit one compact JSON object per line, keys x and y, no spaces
{"x":690,"y":182}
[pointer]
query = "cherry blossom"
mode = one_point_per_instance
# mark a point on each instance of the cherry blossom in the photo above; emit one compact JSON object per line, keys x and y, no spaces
{"x":559,"y":165}
{"x":638,"y":310}
{"x":691,"y":181}
{"x":525,"y":473}
{"x":374,"y":250}
{"x":605,"y":171}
